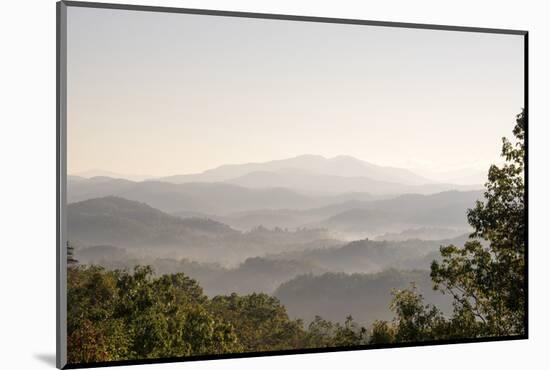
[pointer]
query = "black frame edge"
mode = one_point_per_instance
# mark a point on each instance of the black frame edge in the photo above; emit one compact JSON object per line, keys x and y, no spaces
{"x":61,"y":252}
{"x":526,"y":175}
{"x":227,"y":13}
{"x":291,"y":352}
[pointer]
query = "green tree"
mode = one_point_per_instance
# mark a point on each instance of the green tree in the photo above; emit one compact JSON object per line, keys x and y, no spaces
{"x":382,"y":331}
{"x":349,"y":334}
{"x":260,"y":321}
{"x":93,"y":333}
{"x":320,"y":333}
{"x":115,"y":315}
{"x":416,"y":321}
{"x":486,"y":277}
{"x":71,"y":261}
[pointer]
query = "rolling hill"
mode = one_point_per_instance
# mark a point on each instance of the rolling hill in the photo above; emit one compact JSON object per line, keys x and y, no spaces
{"x":369,"y":217}
{"x":446,"y":209}
{"x":370,"y":256}
{"x":364,"y":296}
{"x":121,"y":222}
{"x":321,"y":184}
{"x":206,"y":198}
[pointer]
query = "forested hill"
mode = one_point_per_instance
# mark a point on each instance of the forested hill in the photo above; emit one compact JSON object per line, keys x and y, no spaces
{"x":132,"y":225}
{"x":372,"y":256}
{"x":364,"y":296}
{"x":118,"y":221}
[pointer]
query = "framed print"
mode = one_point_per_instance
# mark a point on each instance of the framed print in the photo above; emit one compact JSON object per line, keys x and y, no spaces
{"x":239,"y":184}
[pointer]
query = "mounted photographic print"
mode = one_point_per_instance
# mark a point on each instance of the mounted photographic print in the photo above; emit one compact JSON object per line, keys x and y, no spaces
{"x":239,"y":184}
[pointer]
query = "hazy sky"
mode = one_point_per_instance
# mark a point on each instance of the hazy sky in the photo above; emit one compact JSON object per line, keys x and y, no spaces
{"x":162,"y":94}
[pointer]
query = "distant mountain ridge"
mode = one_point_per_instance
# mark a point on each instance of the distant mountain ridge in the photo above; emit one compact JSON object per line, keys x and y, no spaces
{"x":286,"y":183}
{"x":313,"y":183}
{"x":244,"y":208}
{"x":374,"y":217}
{"x":103,"y":173}
{"x":208,"y":198}
{"x":340,"y":166}
{"x":424,"y":233}
{"x":370,"y":256}
{"x":118,"y":221}
{"x":445,"y":209}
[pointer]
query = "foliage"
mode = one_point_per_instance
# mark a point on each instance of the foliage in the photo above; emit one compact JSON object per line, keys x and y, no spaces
{"x":349,"y":334}
{"x":382,"y":332}
{"x":414,"y":321}
{"x":322,"y":333}
{"x":118,"y":315}
{"x":260,"y":321}
{"x":486,"y":276}
{"x":70,"y":255}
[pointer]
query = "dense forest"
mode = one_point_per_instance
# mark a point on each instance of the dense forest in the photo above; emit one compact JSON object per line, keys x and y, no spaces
{"x":155,"y":310}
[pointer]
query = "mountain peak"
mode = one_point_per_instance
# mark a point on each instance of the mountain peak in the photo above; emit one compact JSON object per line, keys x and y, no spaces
{"x":305,"y":156}
{"x":93,"y":173}
{"x":340,"y":167}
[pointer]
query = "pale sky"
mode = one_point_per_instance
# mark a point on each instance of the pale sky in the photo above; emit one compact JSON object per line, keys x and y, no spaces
{"x":163,"y":94}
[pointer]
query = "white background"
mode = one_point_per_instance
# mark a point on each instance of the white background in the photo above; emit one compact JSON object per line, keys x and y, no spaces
{"x":27,"y":327}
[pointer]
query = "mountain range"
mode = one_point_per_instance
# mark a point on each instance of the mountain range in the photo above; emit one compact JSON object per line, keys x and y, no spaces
{"x":445,"y":210}
{"x":269,"y":190}
{"x":311,"y":175}
{"x":335,"y":233}
{"x":341,"y":166}
{"x":205,"y":198}
{"x":244,"y":209}
{"x":118,"y":221}
{"x":115,"y":221}
{"x":370,"y":256}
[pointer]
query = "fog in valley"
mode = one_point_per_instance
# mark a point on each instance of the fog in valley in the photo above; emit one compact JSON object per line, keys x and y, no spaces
{"x":337,"y":233}
{"x":324,"y":164}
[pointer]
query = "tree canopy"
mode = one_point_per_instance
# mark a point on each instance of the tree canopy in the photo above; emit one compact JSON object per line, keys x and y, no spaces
{"x":122,"y":315}
{"x":486,"y":276}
